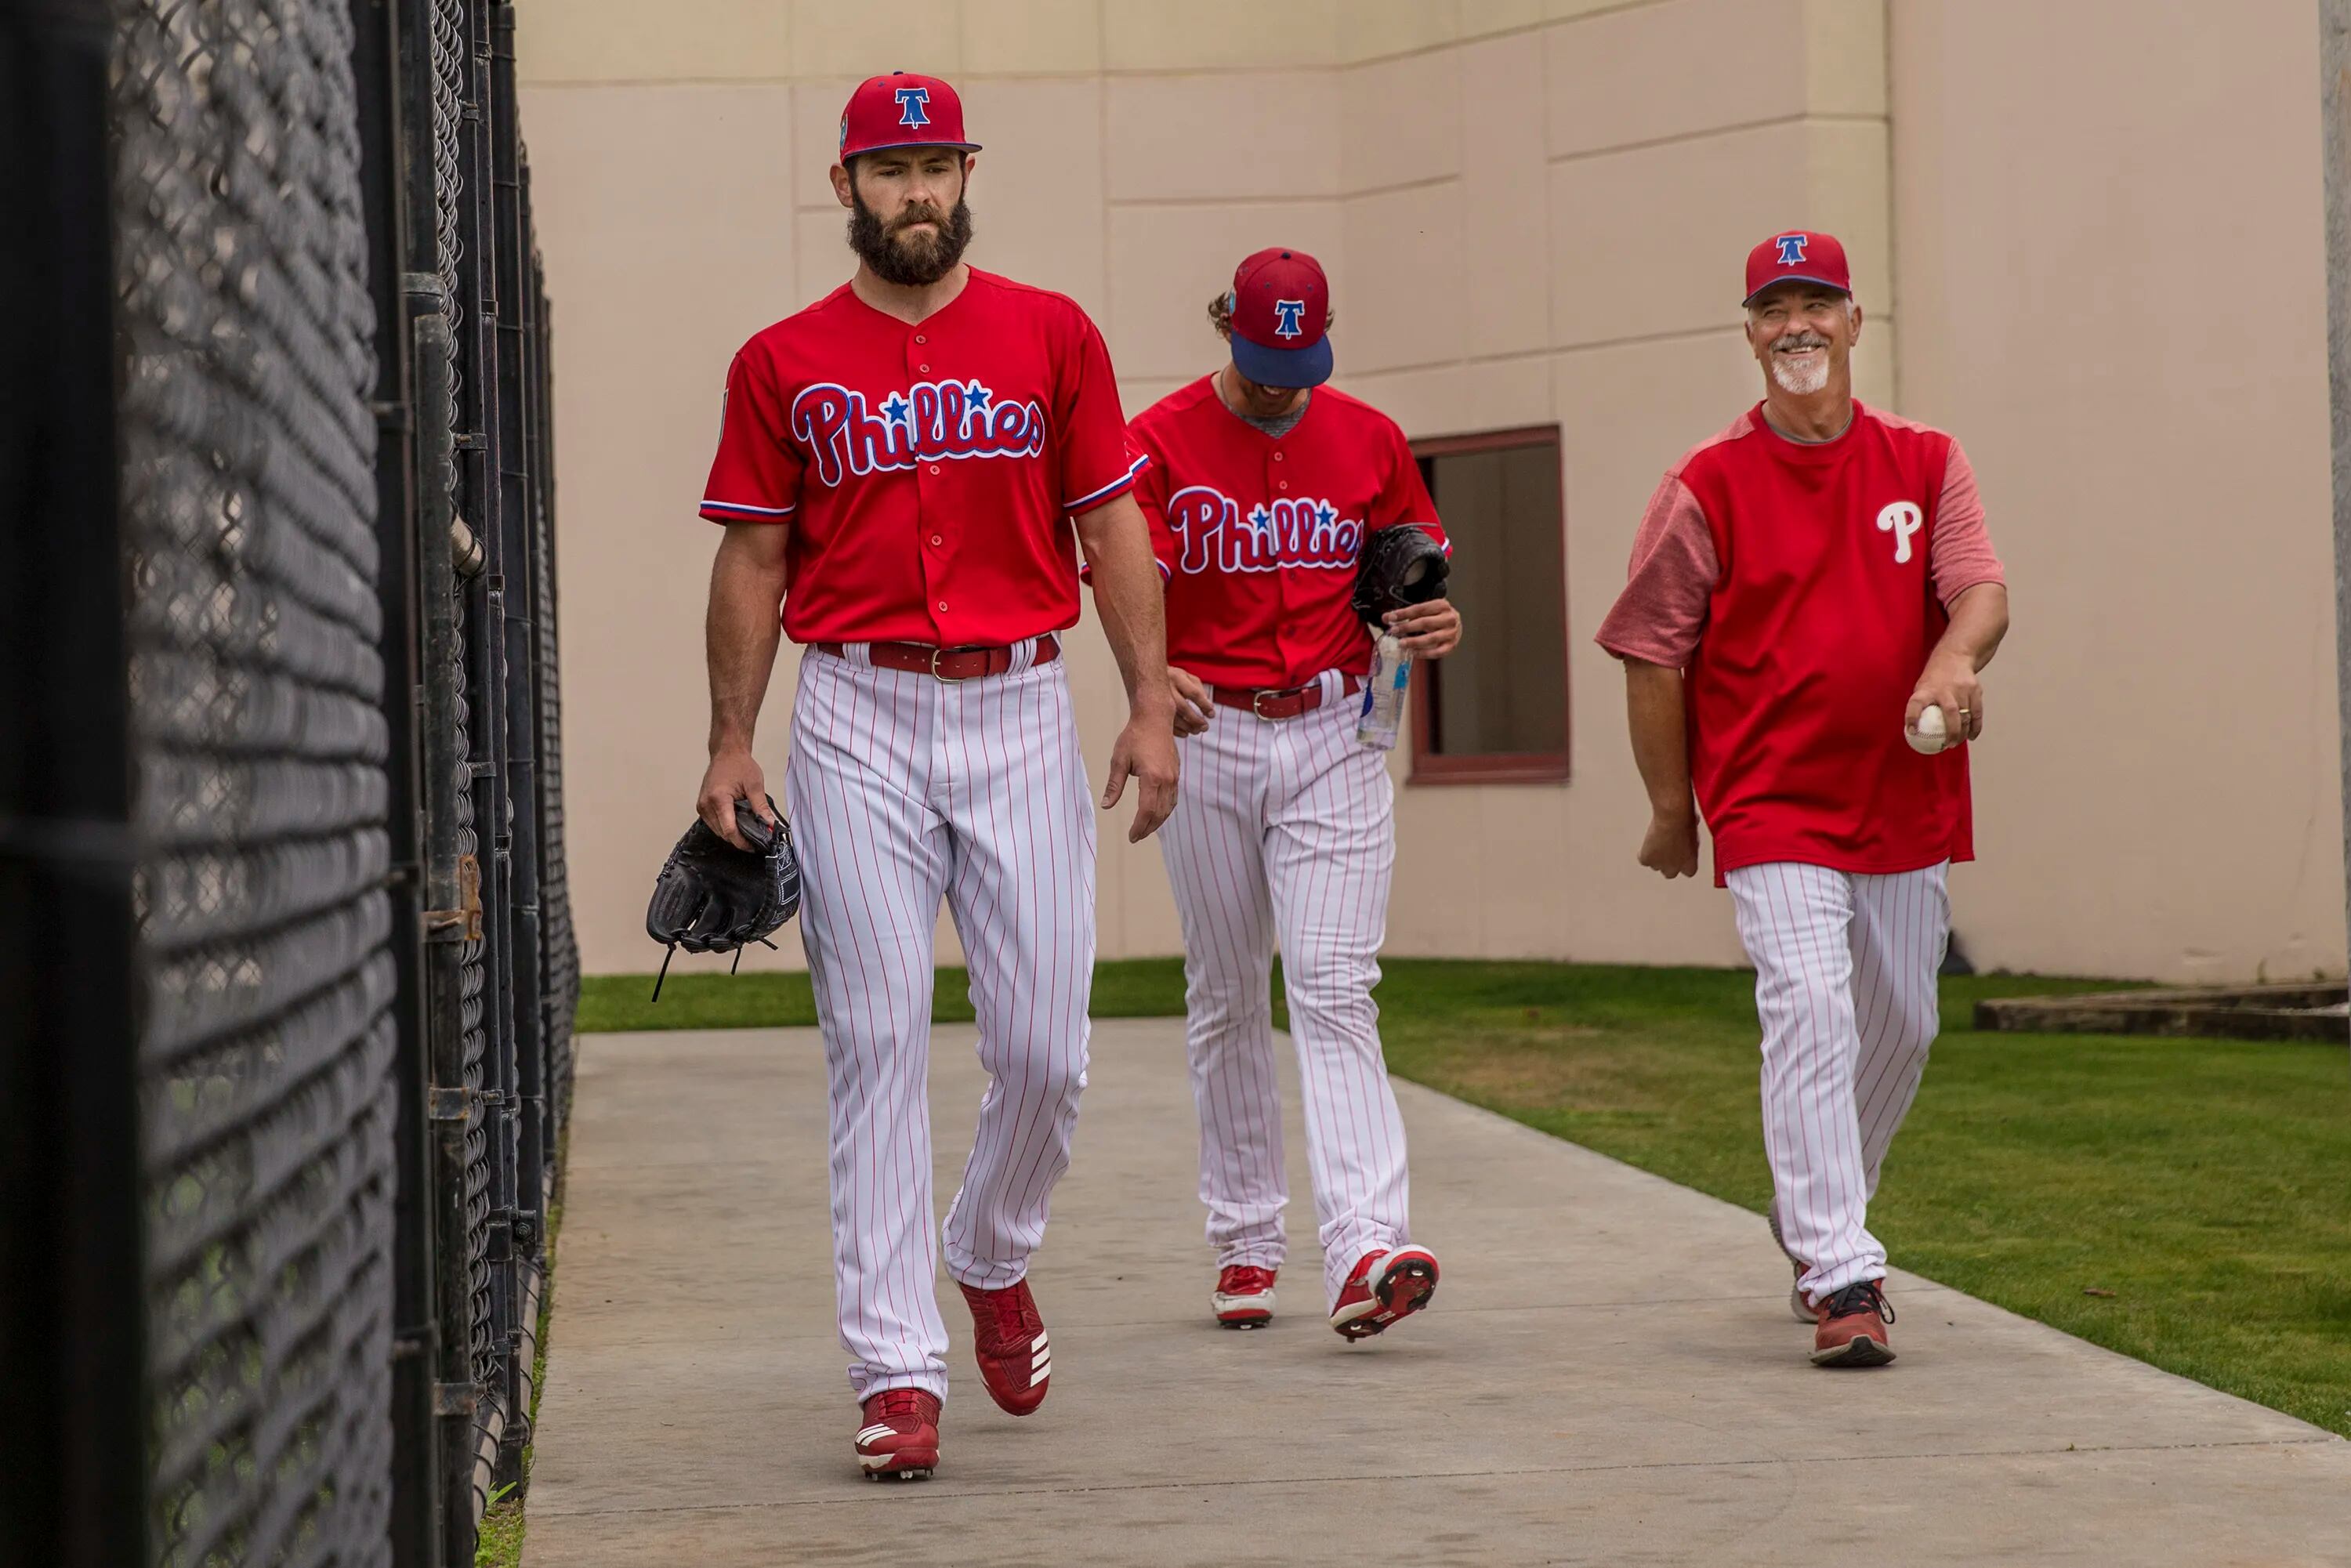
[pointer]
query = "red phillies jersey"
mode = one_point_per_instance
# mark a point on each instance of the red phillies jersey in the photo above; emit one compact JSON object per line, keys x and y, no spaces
{"x":1802,"y":587}
{"x":1259,"y":535}
{"x":928,"y":471}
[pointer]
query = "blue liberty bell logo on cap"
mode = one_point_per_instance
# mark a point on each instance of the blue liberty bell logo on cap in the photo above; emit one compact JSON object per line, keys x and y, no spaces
{"x":1792,"y":248}
{"x":1287,"y":316}
{"x":914,"y":106}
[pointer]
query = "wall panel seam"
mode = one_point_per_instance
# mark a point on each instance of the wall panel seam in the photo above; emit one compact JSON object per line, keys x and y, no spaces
{"x":1427,"y":181}
{"x":1549,"y":25}
{"x":1186,"y":204}
{"x":1803,"y":118}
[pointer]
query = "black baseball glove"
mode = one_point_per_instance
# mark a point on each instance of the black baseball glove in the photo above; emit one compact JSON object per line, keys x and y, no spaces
{"x":712,"y":898}
{"x":1399,"y":566}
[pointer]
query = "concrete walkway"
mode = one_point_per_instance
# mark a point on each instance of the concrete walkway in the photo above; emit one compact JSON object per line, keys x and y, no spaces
{"x":1609,"y":1374}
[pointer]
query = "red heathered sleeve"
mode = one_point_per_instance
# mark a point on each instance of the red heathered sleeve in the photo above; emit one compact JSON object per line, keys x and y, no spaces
{"x":1662,"y":612}
{"x":1961,"y":548}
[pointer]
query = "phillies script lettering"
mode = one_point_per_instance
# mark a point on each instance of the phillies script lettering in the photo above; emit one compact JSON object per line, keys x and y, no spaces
{"x":1216,"y":534}
{"x":926,"y":422}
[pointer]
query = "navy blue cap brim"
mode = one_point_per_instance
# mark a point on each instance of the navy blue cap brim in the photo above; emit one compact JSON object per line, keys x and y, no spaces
{"x":1797,"y":278}
{"x":1307,"y":367}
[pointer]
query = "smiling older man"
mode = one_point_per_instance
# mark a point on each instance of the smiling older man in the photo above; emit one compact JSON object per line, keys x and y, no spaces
{"x":1804,"y":587}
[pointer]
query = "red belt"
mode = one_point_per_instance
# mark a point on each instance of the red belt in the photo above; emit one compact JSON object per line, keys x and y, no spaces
{"x":1280,"y":702}
{"x":947,"y":664}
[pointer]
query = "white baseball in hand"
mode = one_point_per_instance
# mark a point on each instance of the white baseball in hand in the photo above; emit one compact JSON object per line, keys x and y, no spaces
{"x":1929,"y":736}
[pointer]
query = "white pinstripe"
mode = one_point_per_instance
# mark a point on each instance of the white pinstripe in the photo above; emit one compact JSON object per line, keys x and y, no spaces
{"x":1846,"y":990}
{"x":904,"y":789}
{"x":1287,"y":829}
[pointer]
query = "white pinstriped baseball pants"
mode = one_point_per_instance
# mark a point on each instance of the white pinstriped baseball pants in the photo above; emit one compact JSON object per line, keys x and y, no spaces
{"x":1846,"y":990}
{"x":1286,"y":829}
{"x":904,"y":789}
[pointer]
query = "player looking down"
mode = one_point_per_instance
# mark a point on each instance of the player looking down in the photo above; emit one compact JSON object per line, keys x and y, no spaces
{"x":1262,"y":486}
{"x":1804,"y":587}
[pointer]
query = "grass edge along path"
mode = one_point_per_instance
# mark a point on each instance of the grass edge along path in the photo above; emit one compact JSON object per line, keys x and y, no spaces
{"x":499,"y":1544}
{"x":2165,"y":1198}
{"x":775,"y":998}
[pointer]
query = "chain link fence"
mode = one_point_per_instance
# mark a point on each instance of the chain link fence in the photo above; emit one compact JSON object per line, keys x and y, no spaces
{"x":279,"y":1136}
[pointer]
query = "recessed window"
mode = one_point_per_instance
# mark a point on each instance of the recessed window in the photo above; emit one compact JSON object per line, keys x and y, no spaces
{"x":1495,"y":710}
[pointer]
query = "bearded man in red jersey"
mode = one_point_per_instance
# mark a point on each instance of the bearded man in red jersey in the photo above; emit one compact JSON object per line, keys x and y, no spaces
{"x":1805,"y":587}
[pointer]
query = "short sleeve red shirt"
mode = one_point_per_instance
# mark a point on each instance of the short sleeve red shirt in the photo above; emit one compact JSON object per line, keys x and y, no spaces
{"x":1259,"y":535}
{"x":929,"y":470}
{"x":1802,"y":586}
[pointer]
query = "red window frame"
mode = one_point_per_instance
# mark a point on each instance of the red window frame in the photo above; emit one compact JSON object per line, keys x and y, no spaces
{"x":1429,"y":768}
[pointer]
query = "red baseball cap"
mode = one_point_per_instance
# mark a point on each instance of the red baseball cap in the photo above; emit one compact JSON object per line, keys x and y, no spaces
{"x":1282,"y":317}
{"x":1801,"y":254}
{"x":902,"y":110}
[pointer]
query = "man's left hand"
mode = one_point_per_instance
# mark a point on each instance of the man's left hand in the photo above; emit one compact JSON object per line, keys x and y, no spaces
{"x":1949,"y":683}
{"x":1427,"y":631}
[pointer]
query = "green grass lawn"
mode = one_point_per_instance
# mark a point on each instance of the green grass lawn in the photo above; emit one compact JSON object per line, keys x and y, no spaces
{"x":1135,"y":988}
{"x":2200,"y":1181}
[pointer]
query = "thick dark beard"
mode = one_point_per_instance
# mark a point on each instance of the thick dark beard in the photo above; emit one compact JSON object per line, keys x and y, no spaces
{"x":911,"y":262}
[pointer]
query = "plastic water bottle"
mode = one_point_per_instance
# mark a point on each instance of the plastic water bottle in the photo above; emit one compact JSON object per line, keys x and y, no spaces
{"x":1383,"y":710}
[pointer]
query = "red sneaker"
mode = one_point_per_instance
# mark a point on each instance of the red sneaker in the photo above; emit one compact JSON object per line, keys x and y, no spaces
{"x":1008,"y":1337}
{"x":1853,"y":1327}
{"x":1244,"y":1298}
{"x":901,"y":1436}
{"x":1381,"y":1289}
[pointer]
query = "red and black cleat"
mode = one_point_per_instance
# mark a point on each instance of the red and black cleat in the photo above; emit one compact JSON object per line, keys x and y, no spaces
{"x":1384,"y":1288}
{"x":900,"y":1439}
{"x":1008,"y":1338}
{"x":1244,"y":1298}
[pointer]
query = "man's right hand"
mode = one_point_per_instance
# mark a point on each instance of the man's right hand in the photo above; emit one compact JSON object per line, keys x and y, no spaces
{"x":1194,"y":706}
{"x":732,"y":776}
{"x":1670,"y":848}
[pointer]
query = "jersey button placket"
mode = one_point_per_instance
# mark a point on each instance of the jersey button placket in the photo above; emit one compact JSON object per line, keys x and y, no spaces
{"x":931,"y":505}
{"x":1285,"y":590}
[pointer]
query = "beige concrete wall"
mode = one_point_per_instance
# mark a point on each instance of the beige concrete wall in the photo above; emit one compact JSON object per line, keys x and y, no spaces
{"x":1532,"y":211}
{"x":2110,"y":276}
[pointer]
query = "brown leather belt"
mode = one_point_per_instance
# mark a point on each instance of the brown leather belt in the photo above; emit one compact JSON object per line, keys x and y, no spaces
{"x":1281,"y":701}
{"x":947,"y":664}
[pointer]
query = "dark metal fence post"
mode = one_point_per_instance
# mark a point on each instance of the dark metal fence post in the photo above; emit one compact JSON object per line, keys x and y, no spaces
{"x":73,"y":1447}
{"x":451,"y":918}
{"x":401,"y":294}
{"x":486,"y":651}
{"x":526,"y":1099}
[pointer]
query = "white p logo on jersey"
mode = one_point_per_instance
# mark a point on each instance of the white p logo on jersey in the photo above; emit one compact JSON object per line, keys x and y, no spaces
{"x":1901,"y":519}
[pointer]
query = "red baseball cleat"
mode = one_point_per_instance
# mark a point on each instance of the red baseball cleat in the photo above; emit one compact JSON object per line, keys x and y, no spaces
{"x":1008,"y":1337}
{"x":901,"y":1434}
{"x":1853,"y":1327}
{"x":1244,"y":1298}
{"x":1384,"y":1288}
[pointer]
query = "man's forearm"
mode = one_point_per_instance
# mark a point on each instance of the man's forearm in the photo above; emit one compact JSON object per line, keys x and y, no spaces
{"x":1979,"y":622}
{"x":742,"y":632}
{"x":1128,"y":597}
{"x":1653,"y":706}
